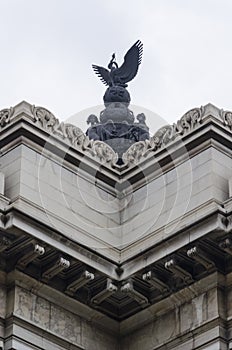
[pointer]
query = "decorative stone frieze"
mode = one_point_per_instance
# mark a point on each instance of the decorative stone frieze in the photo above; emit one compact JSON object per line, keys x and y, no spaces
{"x":74,"y":136}
{"x":163,"y":136}
{"x":101,"y":151}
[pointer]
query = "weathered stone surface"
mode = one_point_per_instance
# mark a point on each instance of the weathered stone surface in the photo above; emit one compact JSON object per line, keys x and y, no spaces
{"x":60,"y":322}
{"x":23,"y":303}
{"x":119,"y":222}
{"x":194,"y":314}
{"x":177,"y":325}
{"x":93,"y":338}
{"x":67,"y":325}
{"x":3,"y":296}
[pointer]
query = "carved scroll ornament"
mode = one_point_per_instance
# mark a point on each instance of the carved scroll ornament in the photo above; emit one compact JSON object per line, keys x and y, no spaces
{"x":75,"y":136}
{"x":101,"y":151}
{"x":226,"y":118}
{"x":163,"y":136}
{"x":5,"y":115}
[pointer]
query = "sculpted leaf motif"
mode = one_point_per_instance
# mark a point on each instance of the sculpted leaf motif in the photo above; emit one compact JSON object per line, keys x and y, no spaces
{"x":104,"y":152}
{"x":136,"y":152}
{"x":5,"y":115}
{"x":163,"y":136}
{"x":190,"y":120}
{"x":46,"y":119}
{"x":226,"y":117}
{"x":74,"y":136}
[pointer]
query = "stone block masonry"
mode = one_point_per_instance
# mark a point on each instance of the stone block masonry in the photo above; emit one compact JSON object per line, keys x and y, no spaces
{"x":100,"y":254}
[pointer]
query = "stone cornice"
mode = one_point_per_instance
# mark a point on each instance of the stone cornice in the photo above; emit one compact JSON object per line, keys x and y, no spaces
{"x":68,"y":133}
{"x":74,"y":137}
{"x":29,"y":124}
{"x":129,"y":263}
{"x":80,"y":309}
{"x":185,"y":295}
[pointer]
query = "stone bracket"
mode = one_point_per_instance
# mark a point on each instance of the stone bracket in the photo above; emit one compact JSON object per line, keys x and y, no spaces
{"x":85,"y":277}
{"x":30,"y":256}
{"x":226,"y":245}
{"x":105,"y":293}
{"x":198,"y":255}
{"x":178,"y":271}
{"x":59,"y":266}
{"x":155,"y":282}
{"x":4,"y":243}
{"x":128,"y":288}
{"x":19,"y":245}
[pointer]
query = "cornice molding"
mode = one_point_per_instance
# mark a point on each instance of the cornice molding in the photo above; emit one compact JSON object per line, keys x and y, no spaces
{"x":100,"y":151}
{"x":74,"y":136}
{"x":164,"y":136}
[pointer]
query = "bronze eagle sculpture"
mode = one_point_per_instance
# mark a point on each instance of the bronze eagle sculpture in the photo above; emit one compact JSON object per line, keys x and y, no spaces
{"x":119,"y":76}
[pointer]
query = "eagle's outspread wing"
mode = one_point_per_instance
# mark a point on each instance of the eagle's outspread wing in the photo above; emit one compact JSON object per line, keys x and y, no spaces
{"x":103,"y":74}
{"x":132,"y":60}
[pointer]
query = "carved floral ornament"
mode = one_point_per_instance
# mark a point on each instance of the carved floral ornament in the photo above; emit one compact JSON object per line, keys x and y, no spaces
{"x":5,"y":116}
{"x":74,"y":136}
{"x":226,"y":117}
{"x":164,"y":136}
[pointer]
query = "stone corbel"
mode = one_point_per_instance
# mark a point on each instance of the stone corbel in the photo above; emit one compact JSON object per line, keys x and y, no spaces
{"x":128,"y":289}
{"x":198,"y":255}
{"x":226,"y":245}
{"x":178,"y":271}
{"x":155,"y":282}
{"x":105,"y":293}
{"x":60,"y":265}
{"x":85,"y":277}
{"x":4,"y":243}
{"x":30,"y":256}
{"x":229,"y":218}
{"x":19,"y":245}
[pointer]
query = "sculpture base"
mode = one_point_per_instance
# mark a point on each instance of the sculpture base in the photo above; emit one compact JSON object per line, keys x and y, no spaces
{"x":120,"y":146}
{"x":117,"y":127}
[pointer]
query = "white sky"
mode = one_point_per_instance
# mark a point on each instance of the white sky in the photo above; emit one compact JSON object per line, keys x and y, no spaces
{"x":48,"y":46}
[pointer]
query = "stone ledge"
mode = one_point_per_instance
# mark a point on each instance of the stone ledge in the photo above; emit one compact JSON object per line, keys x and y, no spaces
{"x":175,"y":300}
{"x":59,"y":299}
{"x":43,"y":128}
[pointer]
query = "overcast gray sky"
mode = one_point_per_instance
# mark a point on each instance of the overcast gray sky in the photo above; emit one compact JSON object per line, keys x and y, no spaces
{"x":48,"y":46}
